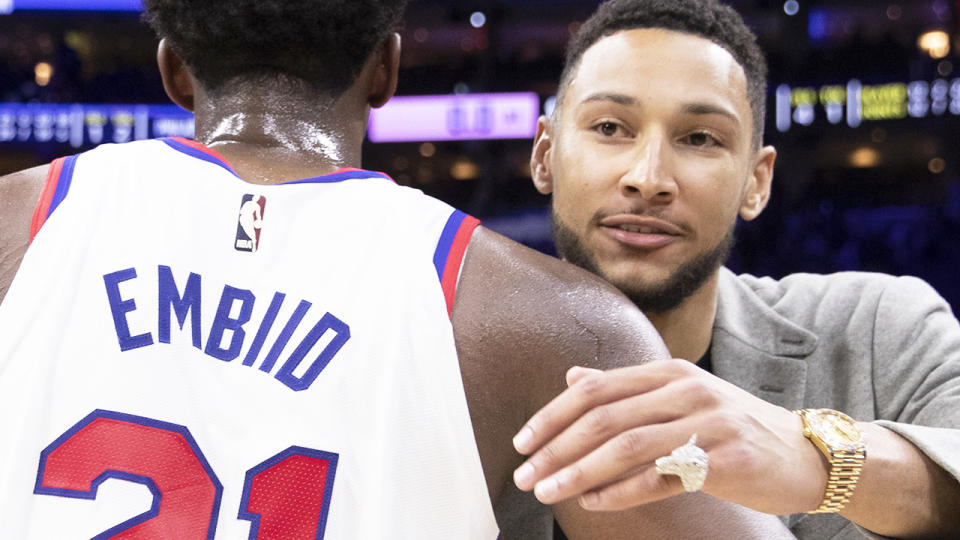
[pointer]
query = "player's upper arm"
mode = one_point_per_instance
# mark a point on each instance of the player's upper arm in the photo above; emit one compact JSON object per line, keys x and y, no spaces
{"x":19,"y":193}
{"x":521,"y":320}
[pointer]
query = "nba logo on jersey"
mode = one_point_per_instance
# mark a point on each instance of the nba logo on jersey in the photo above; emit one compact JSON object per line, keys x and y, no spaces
{"x":250,"y":222}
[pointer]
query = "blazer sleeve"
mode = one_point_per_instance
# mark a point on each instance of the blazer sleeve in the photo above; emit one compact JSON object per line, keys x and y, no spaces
{"x":917,"y":370}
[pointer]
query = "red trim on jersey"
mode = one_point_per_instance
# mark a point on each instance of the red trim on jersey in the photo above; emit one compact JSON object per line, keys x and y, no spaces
{"x":451,"y":271}
{"x":42,"y":209}
{"x":200,"y":147}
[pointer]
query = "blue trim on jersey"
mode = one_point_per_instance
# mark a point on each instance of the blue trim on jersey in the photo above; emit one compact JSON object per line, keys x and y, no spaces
{"x":446,"y":241}
{"x":153,"y":512}
{"x":325,"y":179}
{"x":339,"y":177}
{"x":63,"y":184}
{"x":193,"y":152}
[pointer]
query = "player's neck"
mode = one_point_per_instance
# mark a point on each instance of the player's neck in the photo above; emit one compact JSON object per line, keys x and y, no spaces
{"x":270,"y":136}
{"x":688,"y":328}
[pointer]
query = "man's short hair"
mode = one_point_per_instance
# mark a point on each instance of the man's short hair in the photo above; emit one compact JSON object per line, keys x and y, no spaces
{"x":708,"y":19}
{"x":322,"y":42}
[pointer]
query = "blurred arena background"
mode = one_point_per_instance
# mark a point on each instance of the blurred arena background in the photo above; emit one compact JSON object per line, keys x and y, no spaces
{"x":864,"y":108}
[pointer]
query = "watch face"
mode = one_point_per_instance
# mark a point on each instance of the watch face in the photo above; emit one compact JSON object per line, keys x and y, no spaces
{"x":834,"y":428}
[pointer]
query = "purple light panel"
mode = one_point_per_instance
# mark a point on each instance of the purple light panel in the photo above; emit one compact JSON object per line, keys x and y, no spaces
{"x":464,"y":117}
{"x":73,"y":5}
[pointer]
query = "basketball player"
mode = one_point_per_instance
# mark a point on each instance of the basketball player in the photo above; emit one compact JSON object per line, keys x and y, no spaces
{"x":344,"y":372}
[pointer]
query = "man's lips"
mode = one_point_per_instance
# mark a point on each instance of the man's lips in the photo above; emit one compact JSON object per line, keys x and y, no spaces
{"x":640,"y":231}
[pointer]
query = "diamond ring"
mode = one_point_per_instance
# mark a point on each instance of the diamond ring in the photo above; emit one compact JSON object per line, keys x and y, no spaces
{"x":689,"y":462}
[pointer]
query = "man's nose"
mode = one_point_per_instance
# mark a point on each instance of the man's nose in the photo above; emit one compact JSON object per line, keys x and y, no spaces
{"x":650,"y":175}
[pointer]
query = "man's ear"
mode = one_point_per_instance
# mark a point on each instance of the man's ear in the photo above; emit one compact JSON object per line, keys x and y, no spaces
{"x":757,"y":193}
{"x":386,"y":72}
{"x":540,"y":166}
{"x":177,"y":81}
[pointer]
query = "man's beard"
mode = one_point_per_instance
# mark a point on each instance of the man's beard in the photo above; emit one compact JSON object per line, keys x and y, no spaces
{"x":649,"y":297}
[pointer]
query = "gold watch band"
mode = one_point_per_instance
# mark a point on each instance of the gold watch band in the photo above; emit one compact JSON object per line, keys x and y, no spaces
{"x":840,"y":441}
{"x":845,"y":468}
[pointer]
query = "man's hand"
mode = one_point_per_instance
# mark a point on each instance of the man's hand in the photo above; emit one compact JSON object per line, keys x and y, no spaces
{"x":599,"y":439}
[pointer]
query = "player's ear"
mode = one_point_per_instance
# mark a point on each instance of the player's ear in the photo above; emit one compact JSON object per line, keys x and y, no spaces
{"x":540,"y":166}
{"x":757,"y":193}
{"x":386,"y":71}
{"x":177,"y":81}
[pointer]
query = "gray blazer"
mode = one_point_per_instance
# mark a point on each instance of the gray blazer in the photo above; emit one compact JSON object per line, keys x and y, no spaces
{"x":877,"y":347}
{"x":874,"y":346}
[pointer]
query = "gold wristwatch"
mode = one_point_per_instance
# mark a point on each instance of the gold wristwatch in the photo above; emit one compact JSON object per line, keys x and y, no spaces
{"x":840,"y":440}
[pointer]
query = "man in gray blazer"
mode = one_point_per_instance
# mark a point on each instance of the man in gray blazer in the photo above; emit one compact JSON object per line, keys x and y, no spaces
{"x":653,"y":152}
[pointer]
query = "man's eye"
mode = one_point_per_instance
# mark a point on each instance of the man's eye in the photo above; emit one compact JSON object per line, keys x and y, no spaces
{"x":608,"y":129}
{"x":701,"y":139}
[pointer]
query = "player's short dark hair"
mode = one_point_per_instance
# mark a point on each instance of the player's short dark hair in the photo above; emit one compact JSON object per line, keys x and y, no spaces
{"x":708,"y":19}
{"x":322,"y":42}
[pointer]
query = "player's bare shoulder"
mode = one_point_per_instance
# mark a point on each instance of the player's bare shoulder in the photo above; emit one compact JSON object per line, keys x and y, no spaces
{"x":513,"y":294}
{"x":19,"y":193}
{"x":521,"y":319}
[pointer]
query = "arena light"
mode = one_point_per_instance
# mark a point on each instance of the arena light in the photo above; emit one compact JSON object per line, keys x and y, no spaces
{"x":864,"y":158}
{"x":464,"y":169}
{"x":937,"y":165}
{"x":428,"y":150}
{"x":478,"y":19}
{"x":8,"y":6}
{"x":936,"y":43}
{"x":42,"y":73}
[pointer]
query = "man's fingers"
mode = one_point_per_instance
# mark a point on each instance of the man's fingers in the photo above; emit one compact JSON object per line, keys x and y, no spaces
{"x":617,"y":458}
{"x":577,"y":373}
{"x":590,"y":391}
{"x":645,"y":487}
{"x":593,"y":429}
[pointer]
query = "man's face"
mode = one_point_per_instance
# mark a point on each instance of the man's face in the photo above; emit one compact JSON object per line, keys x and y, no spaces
{"x":650,"y":161}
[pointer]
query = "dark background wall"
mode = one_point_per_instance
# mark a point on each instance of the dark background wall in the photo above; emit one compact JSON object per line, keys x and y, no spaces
{"x":881,"y":194}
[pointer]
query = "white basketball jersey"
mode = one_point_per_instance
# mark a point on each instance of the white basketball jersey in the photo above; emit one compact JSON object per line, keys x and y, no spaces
{"x":186,"y":355}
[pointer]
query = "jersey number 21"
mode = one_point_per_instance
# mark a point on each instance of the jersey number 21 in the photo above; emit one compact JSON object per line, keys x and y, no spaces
{"x":286,"y":496}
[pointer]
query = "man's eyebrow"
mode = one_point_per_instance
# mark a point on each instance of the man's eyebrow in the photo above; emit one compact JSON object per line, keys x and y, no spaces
{"x":620,"y":99}
{"x":700,"y":109}
{"x":689,"y":108}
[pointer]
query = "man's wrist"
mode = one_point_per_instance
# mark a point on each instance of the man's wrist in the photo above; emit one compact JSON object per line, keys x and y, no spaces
{"x":840,"y":441}
{"x":902,"y":492}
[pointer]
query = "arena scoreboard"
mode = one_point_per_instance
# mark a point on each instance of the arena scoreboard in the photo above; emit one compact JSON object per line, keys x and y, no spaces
{"x":854,"y":102}
{"x":456,"y":117}
{"x":89,"y":125}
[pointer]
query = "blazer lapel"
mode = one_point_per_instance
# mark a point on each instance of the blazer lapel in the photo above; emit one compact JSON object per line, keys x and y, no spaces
{"x":756,"y":348}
